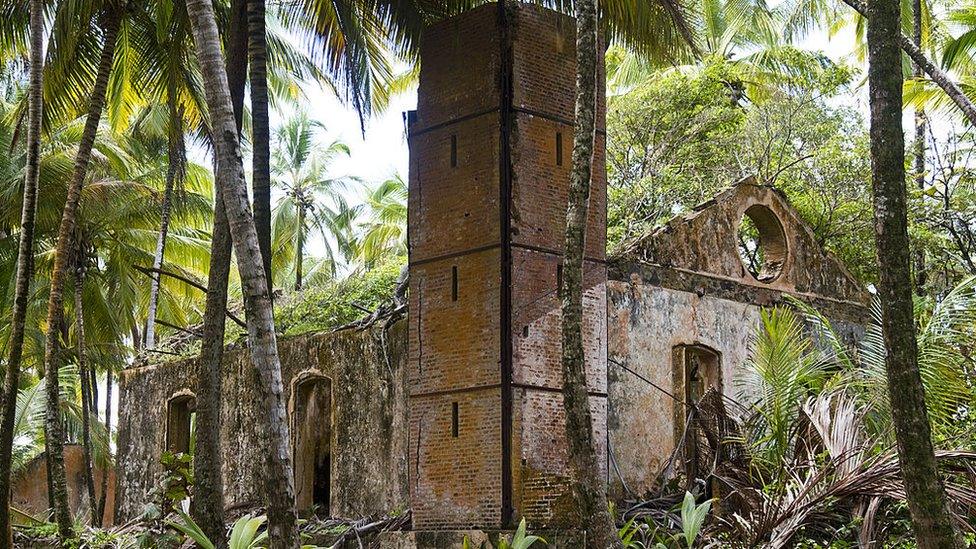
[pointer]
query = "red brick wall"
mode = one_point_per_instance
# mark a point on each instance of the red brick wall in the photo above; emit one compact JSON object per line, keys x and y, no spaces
{"x":457,"y":346}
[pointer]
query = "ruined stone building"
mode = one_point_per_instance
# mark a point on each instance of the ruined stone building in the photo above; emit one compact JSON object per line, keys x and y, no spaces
{"x":456,"y":411}
{"x":683,"y":307}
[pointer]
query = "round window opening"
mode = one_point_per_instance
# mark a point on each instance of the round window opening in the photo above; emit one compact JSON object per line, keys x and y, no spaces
{"x":762,"y":243}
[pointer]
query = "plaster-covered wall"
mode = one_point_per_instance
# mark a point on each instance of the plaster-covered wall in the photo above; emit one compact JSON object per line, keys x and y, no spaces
{"x":366,"y":368}
{"x":645,"y":322}
{"x":29,"y":491}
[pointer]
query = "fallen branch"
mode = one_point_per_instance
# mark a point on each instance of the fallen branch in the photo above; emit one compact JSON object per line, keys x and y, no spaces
{"x":178,"y":328}
{"x":362,"y":528}
{"x":150,"y":271}
{"x":937,"y":75}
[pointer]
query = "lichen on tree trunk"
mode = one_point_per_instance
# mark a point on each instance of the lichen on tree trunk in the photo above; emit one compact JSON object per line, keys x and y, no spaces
{"x":589,"y":488}
{"x":923,"y":486}
{"x":271,"y":425}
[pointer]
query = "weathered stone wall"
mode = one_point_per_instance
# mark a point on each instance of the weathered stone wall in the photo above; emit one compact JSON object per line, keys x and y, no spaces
{"x":366,"y":370}
{"x":704,"y":241}
{"x":650,"y":313}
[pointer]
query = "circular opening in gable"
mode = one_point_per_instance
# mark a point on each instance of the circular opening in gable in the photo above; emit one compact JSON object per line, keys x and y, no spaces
{"x":762,"y":243}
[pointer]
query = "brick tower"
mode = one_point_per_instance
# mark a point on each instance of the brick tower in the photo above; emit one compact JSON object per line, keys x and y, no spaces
{"x":490,"y":153}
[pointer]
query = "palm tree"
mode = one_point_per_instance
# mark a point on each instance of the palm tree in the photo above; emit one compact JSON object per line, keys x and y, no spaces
{"x":257,"y":54}
{"x":812,"y":404}
{"x":83,"y":373}
{"x":312,"y":198}
{"x":273,"y":425}
{"x":55,"y":315}
{"x":25,"y":257}
{"x":919,"y":145}
{"x":384,"y":232}
{"x":923,"y":487}
{"x":165,"y":70}
{"x":588,"y":486}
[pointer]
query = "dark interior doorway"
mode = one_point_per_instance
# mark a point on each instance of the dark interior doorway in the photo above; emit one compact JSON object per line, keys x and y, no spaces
{"x":695,"y":370}
{"x":312,"y":428}
{"x":180,"y":414}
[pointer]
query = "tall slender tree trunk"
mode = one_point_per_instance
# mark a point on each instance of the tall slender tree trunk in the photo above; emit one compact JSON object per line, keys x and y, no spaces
{"x":54,"y":430}
{"x":923,"y":486}
{"x":103,"y":489}
{"x":590,"y":491}
{"x":25,"y":267}
{"x":174,"y":175}
{"x":209,"y":498}
{"x":208,"y":502}
{"x":85,"y":384}
{"x":94,"y":393}
{"x":300,"y":248}
{"x":272,"y":426}
{"x":257,"y":53}
{"x":919,"y":149}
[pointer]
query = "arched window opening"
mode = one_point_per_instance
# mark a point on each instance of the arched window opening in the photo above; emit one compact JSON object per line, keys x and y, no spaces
{"x":762,"y":243}
{"x":180,"y":421}
{"x":696,"y":369}
{"x":312,"y":428}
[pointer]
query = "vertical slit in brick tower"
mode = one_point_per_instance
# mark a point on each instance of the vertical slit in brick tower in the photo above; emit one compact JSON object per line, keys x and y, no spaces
{"x":501,"y":82}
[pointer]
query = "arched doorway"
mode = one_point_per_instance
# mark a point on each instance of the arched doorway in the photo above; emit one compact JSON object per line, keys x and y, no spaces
{"x":695,"y":370}
{"x":312,"y":433}
{"x":180,"y":416}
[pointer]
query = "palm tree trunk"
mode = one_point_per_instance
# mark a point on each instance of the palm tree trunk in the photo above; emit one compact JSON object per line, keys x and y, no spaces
{"x":923,"y":486}
{"x":208,"y":501}
{"x":85,"y":386}
{"x":54,"y":431}
{"x":94,"y":393}
{"x":919,"y":164}
{"x":236,"y":51}
{"x":272,"y":426}
{"x":940,"y":77}
{"x":300,"y":247}
{"x":257,"y":53}
{"x":590,"y":492}
{"x":25,"y":267}
{"x":174,"y":173}
{"x":103,"y":492}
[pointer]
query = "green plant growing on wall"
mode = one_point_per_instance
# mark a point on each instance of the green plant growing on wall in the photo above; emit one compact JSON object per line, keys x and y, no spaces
{"x":177,"y":481}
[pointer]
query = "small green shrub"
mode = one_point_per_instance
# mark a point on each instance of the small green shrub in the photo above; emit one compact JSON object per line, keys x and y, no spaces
{"x":520,"y":540}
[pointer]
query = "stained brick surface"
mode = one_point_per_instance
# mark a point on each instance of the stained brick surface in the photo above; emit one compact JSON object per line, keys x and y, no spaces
{"x":459,"y":75}
{"x":460,"y":352}
{"x":453,"y":209}
{"x":536,"y":326}
{"x":455,"y":480}
{"x":455,"y":344}
{"x":544,"y":65}
{"x":540,"y":190}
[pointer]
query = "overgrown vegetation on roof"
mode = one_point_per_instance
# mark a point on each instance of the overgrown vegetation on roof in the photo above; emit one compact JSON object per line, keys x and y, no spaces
{"x":338,"y":303}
